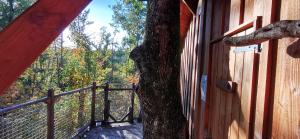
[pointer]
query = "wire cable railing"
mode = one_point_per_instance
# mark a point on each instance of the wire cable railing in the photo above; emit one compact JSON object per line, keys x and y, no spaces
{"x":68,"y":114}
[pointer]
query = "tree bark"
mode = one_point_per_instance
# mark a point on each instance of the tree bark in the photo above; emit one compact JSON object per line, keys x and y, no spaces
{"x":158,"y":61}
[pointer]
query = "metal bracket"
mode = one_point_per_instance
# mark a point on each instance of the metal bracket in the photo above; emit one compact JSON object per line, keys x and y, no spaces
{"x":254,"y":47}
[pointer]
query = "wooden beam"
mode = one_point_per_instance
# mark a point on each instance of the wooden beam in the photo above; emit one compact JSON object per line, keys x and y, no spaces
{"x":192,"y":5}
{"x":31,"y":33}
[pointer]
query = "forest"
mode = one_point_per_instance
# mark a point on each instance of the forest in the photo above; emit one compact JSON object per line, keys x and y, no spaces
{"x":64,"y":68}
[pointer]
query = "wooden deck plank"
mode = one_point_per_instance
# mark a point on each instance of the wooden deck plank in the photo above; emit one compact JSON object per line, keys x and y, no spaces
{"x":117,"y":131}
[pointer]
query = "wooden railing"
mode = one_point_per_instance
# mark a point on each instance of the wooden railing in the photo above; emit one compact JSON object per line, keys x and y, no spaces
{"x":65,"y":115}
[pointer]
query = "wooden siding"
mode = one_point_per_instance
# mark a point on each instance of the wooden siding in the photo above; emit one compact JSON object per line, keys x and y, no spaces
{"x":266,"y":103}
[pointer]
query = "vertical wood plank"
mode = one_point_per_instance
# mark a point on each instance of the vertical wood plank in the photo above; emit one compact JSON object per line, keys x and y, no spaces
{"x":236,"y":100}
{"x":286,"y":110}
{"x":235,"y":9}
{"x":191,"y":73}
{"x":196,"y":91}
{"x":223,"y":73}
{"x":247,"y":78}
{"x":208,"y":67}
{"x":227,"y":76}
{"x":266,"y":9}
{"x":216,"y":32}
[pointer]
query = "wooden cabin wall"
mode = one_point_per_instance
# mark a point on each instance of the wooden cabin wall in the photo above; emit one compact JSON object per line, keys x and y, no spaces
{"x":266,"y":102}
{"x":286,"y":87}
{"x":191,"y":58}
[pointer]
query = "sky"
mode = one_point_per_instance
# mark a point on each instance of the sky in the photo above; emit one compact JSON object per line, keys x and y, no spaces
{"x":101,"y":15}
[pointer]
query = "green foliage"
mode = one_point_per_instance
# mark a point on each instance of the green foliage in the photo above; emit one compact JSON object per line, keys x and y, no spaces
{"x":130,"y":15}
{"x":10,"y":9}
{"x":66,"y":68}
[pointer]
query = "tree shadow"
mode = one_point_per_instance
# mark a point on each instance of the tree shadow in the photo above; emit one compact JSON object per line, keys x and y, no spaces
{"x":294,"y":49}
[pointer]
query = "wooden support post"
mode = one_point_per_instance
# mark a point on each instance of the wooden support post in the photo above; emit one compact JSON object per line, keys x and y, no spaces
{"x":106,"y":105}
{"x":81,"y":108}
{"x":93,"y":106}
{"x":50,"y":114}
{"x":132,"y":104}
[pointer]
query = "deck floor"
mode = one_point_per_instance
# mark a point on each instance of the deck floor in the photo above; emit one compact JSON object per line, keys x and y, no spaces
{"x":117,"y":131}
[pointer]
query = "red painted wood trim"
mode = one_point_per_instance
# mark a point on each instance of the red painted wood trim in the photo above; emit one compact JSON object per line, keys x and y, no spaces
{"x":272,"y":53}
{"x":31,"y":33}
{"x":234,"y":31}
{"x":241,"y":27}
{"x":256,"y":57}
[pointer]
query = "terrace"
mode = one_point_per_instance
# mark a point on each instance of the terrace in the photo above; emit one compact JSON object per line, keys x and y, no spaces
{"x":106,"y":111}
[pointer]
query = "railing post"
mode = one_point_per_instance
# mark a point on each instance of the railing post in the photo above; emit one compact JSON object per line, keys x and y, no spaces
{"x":81,"y":107}
{"x":93,"y":105}
{"x":106,"y":105}
{"x":50,"y":114}
{"x":132,"y":104}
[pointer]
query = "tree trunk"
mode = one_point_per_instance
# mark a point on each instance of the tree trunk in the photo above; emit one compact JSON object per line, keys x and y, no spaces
{"x":11,"y":10}
{"x":158,"y":60}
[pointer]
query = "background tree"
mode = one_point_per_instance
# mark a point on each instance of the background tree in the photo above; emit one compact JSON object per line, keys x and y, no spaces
{"x":129,"y":16}
{"x":64,"y":68}
{"x":10,"y":9}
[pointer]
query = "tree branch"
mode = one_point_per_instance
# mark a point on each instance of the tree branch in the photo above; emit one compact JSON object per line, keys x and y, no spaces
{"x":278,"y":30}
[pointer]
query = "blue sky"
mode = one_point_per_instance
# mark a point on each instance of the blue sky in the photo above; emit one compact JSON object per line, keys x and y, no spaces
{"x":101,"y":15}
{"x":100,"y":12}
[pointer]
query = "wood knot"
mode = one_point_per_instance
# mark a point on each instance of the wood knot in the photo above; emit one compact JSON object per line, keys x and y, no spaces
{"x":296,"y":91}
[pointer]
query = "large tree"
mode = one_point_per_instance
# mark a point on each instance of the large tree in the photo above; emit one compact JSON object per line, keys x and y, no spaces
{"x":158,"y":60}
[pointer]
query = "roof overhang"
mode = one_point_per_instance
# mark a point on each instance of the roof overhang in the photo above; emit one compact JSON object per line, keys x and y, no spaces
{"x":185,"y":19}
{"x":31,"y":33}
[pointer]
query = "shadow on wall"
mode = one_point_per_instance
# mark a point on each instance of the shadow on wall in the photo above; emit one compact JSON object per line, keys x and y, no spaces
{"x":294,"y":49}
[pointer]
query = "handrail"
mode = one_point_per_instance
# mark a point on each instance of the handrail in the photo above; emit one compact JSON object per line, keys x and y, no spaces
{"x":17,"y":106}
{"x":52,"y":99}
{"x":73,"y":91}
{"x":119,"y":89}
{"x":44,"y":99}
